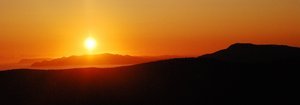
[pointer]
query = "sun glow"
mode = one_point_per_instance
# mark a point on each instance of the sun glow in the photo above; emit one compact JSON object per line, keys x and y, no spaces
{"x":90,"y":43}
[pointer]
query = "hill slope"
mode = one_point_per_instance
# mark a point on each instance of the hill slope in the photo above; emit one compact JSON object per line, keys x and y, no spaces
{"x":220,"y":78}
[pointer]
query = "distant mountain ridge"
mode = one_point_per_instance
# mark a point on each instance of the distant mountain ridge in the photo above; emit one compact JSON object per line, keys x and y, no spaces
{"x":31,"y":61}
{"x":100,"y":59}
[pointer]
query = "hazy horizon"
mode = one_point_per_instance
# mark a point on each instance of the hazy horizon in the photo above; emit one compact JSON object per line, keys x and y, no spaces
{"x":57,"y":28}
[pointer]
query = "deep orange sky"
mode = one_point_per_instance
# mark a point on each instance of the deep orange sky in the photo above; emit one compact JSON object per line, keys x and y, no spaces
{"x":55,"y":28}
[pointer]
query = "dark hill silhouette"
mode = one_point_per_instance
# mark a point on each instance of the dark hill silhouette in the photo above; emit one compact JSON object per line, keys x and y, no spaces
{"x":256,"y":53}
{"x":215,"y":79}
{"x":99,"y":60}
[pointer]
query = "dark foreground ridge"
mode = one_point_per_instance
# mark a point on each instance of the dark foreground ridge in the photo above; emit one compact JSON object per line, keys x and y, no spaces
{"x":243,"y":74}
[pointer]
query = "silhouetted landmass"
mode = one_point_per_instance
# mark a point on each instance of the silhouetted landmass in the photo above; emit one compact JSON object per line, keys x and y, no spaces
{"x":243,"y":74}
{"x":31,"y":61}
{"x":99,"y":60}
{"x":249,"y":53}
{"x":23,"y":63}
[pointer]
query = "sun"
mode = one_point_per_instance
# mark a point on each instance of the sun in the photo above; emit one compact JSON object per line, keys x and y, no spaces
{"x":90,"y":43}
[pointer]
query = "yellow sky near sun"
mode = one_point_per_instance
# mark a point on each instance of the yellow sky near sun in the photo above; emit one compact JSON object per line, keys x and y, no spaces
{"x":55,"y":28}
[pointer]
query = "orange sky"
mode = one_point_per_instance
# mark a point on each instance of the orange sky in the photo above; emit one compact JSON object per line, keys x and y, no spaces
{"x":55,"y":28}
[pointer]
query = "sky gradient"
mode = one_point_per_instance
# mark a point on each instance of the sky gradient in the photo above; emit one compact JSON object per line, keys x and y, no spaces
{"x":56,"y":28}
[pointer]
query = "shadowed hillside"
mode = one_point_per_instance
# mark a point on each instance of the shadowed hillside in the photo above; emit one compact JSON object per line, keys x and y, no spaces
{"x":243,"y":74}
{"x":249,"y":53}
